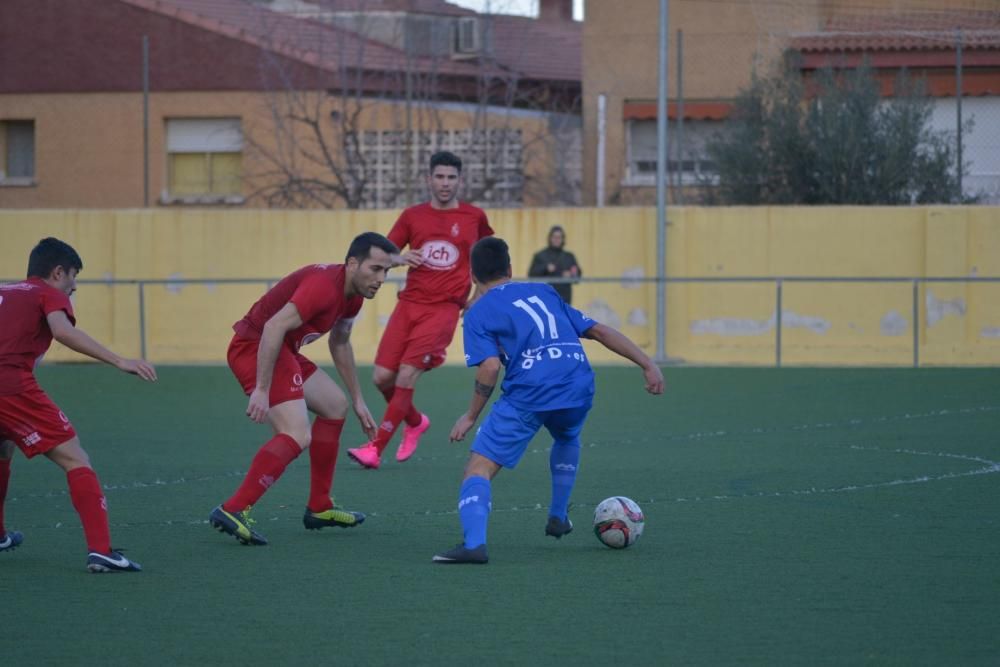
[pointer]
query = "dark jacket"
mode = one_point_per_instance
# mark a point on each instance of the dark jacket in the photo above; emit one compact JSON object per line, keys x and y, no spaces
{"x":562,"y":261}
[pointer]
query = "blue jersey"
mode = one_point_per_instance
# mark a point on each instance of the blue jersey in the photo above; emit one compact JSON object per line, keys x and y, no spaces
{"x":536,"y":335}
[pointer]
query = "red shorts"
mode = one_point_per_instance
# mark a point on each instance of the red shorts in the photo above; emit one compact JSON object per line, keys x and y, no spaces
{"x":33,"y":422}
{"x":418,"y":334}
{"x":291,"y":370}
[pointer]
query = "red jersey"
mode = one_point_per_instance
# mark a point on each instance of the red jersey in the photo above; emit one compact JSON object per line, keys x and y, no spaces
{"x":24,"y":331}
{"x":317,"y":291}
{"x":445,"y":238}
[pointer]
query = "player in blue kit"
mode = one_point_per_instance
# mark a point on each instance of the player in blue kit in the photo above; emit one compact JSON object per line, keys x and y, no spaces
{"x":530,"y":330}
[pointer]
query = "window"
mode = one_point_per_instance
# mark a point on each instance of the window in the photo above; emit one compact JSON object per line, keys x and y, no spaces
{"x":204,"y":161}
{"x":692,"y":167}
{"x":18,"y":154}
{"x":467,"y":36}
{"x":491,"y":165}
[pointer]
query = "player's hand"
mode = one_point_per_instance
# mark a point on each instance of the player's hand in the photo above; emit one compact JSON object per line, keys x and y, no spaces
{"x":258,"y":406}
{"x":138,"y":367}
{"x":413,"y":258}
{"x":654,"y":379}
{"x":368,"y":424}
{"x":461,"y":427}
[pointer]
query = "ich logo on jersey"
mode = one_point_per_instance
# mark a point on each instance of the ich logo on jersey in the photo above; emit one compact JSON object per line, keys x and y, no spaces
{"x":439,"y":255}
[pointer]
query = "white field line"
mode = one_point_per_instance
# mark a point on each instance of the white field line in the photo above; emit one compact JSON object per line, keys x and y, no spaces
{"x":987,"y":467}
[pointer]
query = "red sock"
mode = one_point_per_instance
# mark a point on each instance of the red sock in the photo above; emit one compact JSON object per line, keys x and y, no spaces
{"x":90,"y":503}
{"x":265,"y":469}
{"x":4,"y":481}
{"x":399,"y":405}
{"x":413,"y":415}
{"x":323,"y":462}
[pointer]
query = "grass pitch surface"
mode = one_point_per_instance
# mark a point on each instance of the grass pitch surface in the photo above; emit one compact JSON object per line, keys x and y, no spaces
{"x":794,"y":516}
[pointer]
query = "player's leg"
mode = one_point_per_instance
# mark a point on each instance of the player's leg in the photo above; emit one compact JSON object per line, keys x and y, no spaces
{"x":391,"y":348}
{"x":290,"y":422}
{"x":328,"y":402}
{"x":431,"y":329}
{"x":389,"y":356}
{"x":289,"y":419}
{"x":564,"y":426}
{"x":12,"y":539}
{"x":90,"y":504}
{"x":399,"y":406}
{"x":385,"y":380}
{"x":500,"y":443}
{"x":474,"y":504}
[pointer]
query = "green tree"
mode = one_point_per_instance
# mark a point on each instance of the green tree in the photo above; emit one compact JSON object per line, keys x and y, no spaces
{"x":833,"y":140}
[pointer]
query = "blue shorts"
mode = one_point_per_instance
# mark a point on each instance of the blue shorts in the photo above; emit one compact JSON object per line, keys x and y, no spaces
{"x":504,"y":436}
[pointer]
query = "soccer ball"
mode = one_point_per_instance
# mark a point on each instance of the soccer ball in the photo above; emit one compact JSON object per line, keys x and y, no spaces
{"x":618,"y":522}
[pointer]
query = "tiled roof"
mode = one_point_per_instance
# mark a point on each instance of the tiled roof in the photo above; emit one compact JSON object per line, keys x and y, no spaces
{"x":550,"y":50}
{"x":924,"y":31}
{"x":534,"y":49}
{"x":314,"y":43}
{"x":440,"y":7}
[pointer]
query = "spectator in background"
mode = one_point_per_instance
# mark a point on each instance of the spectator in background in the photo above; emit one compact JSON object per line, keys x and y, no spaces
{"x":555,"y":262}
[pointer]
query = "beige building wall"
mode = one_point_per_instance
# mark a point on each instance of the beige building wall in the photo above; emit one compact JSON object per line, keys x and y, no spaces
{"x":620,"y":61}
{"x":724,"y":43}
{"x":89,"y":147}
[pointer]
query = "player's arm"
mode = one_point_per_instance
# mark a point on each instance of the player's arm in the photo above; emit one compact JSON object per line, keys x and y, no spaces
{"x":411,"y":257}
{"x":400,"y":235}
{"x":79,"y":341}
{"x":487,"y":374}
{"x":342,"y":353}
{"x":271,"y":339}
{"x":620,"y":344}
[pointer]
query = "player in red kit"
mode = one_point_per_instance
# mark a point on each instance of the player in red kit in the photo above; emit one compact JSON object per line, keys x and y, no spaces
{"x":32,"y":313}
{"x":285,"y":386}
{"x":440,"y":235}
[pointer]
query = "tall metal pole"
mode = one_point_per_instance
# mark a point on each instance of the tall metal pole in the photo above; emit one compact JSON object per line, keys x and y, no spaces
{"x":679,"y":142}
{"x":958,"y":106}
{"x":602,"y":136}
{"x":145,"y":122}
{"x":661,"y":189}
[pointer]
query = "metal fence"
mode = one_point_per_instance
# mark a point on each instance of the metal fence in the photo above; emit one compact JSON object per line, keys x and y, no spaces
{"x":777,"y":281}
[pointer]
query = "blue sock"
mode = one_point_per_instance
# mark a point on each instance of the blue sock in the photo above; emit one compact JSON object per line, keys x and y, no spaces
{"x":474,"y":510}
{"x":563,"y":461}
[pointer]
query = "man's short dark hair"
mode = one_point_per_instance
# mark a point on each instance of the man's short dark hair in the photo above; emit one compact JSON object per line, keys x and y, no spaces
{"x":50,"y":253}
{"x":361,"y":246}
{"x":490,"y":259}
{"x":446,"y":159}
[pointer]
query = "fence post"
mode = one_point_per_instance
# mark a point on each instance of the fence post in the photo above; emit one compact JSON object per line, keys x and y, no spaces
{"x":142,"y":320}
{"x":916,"y":323}
{"x":777,"y":323}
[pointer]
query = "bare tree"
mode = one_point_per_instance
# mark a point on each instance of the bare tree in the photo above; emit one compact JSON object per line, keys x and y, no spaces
{"x":357,"y":127}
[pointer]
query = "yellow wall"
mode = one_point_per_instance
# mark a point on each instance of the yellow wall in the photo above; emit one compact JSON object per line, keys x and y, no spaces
{"x":719,"y":323}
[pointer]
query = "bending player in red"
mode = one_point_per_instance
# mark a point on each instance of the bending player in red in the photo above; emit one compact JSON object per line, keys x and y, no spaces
{"x":32,"y":313}
{"x":285,"y":386}
{"x":440,"y":235}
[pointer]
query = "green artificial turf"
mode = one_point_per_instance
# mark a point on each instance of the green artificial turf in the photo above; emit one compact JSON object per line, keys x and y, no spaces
{"x":793,"y":516}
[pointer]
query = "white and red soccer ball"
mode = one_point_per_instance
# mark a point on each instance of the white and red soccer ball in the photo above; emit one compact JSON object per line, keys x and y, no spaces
{"x":618,"y":522}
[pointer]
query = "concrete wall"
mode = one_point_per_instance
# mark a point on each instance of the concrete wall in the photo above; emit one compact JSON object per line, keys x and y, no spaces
{"x":89,"y":146}
{"x":717,"y":323}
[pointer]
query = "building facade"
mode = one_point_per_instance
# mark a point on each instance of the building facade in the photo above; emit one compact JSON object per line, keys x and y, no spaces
{"x":131,"y":103}
{"x":716,"y":47}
